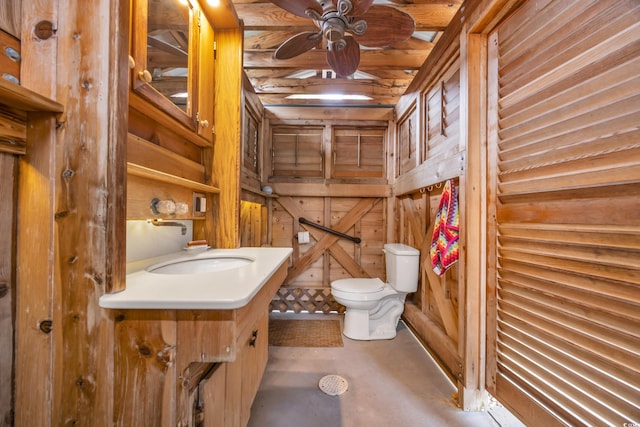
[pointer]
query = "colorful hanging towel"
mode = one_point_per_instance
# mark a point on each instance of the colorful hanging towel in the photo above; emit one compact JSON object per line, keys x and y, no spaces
{"x":444,"y":242}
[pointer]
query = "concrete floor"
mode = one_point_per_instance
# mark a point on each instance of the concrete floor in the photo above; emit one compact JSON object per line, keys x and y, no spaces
{"x":390,"y":383}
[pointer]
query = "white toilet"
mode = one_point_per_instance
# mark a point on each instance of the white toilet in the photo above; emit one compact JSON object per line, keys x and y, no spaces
{"x":374,"y":307}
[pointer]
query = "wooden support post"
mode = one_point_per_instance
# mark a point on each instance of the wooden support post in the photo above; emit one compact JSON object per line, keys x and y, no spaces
{"x":224,"y":160}
{"x":473,"y":56}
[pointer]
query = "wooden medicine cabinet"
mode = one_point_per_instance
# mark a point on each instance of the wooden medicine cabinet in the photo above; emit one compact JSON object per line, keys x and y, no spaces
{"x":165,"y":36}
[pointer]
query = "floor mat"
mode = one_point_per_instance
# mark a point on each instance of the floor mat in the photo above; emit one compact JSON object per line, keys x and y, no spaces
{"x":305,"y":333}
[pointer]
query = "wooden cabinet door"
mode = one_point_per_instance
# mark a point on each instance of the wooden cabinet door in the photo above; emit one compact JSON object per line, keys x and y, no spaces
{"x":254,"y":362}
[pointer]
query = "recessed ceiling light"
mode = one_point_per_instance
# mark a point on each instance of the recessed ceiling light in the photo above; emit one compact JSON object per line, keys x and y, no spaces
{"x":330,"y":96}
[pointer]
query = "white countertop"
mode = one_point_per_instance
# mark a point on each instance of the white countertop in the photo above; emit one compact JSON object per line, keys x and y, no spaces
{"x":227,"y":289}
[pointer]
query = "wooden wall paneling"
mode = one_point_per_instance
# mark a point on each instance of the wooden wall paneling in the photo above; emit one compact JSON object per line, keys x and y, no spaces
{"x":141,"y":191}
{"x":436,"y":340}
{"x":251,"y":224}
{"x":224,"y":159}
{"x":76,"y":216}
{"x":10,"y":17}
{"x":443,"y":312}
{"x":145,"y":369}
{"x":35,"y":281}
{"x":8,"y":177}
{"x":36,"y":192}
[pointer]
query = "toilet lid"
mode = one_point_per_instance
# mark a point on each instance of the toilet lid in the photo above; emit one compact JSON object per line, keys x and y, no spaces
{"x":358,"y":285}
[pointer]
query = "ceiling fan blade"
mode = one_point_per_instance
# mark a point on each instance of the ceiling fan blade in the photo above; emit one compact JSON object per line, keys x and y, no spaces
{"x":298,"y":44}
{"x":298,"y":7}
{"x":345,"y":62}
{"x":386,"y":26}
{"x":358,"y":8}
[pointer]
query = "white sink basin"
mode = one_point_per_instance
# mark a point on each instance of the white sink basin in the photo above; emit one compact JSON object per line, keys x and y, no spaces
{"x":216,"y":279}
{"x":207,"y":264}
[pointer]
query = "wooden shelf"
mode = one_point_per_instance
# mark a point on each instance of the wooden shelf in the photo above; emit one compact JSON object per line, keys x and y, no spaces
{"x":145,"y":172}
{"x":23,"y":99}
{"x":261,"y":193}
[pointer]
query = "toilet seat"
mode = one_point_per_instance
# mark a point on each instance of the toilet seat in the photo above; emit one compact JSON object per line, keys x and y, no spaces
{"x":361,"y":289}
{"x":358,"y":285}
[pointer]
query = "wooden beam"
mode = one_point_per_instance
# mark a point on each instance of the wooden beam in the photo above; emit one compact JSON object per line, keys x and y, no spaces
{"x":266,"y":39}
{"x":329,"y":114}
{"x":344,"y":86}
{"x":281,"y":100}
{"x":331,"y":190}
{"x":261,"y":16}
{"x":316,"y":59}
{"x":224,"y":161}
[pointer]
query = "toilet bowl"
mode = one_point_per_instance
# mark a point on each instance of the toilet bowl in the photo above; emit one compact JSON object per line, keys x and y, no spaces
{"x":373,"y":306}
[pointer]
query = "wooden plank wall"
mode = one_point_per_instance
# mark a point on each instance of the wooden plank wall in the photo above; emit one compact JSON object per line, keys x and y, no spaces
{"x":355,"y":206}
{"x":71,"y":181}
{"x":10,"y":17}
{"x":435,"y":310}
{"x":8,"y":169}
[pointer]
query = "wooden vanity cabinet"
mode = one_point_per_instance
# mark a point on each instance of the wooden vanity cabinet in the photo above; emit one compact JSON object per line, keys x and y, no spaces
{"x":175,"y":367}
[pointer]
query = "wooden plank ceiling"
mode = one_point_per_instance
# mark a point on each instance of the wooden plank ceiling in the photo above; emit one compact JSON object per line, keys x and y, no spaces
{"x":383,"y":74}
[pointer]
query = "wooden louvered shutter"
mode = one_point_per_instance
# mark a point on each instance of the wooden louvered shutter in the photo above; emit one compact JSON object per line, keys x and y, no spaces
{"x":297,"y":152}
{"x":358,"y":153}
{"x":564,"y":180}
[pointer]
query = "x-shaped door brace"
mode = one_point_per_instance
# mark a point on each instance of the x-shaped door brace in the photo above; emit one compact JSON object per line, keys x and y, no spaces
{"x":429,"y":277}
{"x":325,"y":241}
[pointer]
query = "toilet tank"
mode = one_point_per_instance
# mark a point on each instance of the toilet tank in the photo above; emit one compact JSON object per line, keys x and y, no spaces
{"x":402,"y":264}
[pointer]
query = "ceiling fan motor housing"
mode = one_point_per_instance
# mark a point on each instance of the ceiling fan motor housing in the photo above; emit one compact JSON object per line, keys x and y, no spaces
{"x":333,"y":27}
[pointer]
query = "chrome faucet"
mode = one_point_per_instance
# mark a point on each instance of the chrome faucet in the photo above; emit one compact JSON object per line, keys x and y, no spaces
{"x":159,"y":223}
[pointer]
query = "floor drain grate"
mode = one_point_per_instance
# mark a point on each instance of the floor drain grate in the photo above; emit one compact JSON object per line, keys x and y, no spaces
{"x":333,"y":385}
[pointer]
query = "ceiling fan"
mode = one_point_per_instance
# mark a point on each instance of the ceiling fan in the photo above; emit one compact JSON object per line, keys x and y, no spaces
{"x":345,"y":24}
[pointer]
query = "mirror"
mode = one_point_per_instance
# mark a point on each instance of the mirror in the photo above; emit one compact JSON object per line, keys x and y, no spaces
{"x":164,"y":35}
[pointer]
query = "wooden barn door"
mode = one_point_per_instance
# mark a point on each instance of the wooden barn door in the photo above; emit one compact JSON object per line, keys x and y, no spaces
{"x":326,"y":257}
{"x":564,"y":162}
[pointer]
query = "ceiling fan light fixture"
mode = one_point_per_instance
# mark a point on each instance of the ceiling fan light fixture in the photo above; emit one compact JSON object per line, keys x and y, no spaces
{"x":343,"y":24}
